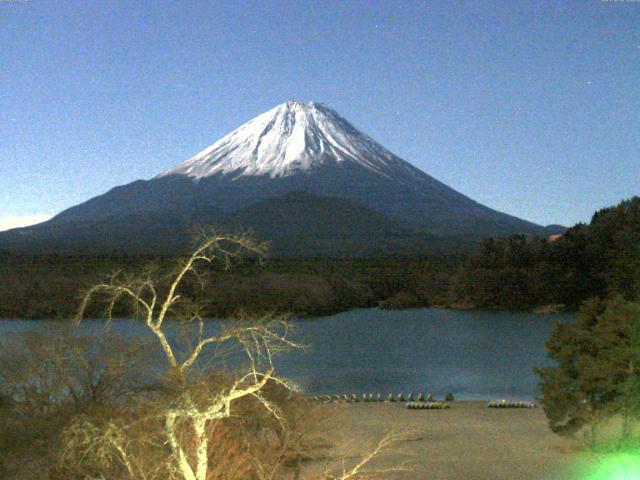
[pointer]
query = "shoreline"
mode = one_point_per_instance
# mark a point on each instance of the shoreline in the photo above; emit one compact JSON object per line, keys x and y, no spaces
{"x":324,"y":399}
{"x":542,"y":311}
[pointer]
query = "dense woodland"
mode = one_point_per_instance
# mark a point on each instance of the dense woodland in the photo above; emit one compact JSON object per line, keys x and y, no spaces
{"x":51,"y":286}
{"x":596,"y":259}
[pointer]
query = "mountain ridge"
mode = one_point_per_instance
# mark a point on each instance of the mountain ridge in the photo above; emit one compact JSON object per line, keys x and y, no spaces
{"x":294,"y":147}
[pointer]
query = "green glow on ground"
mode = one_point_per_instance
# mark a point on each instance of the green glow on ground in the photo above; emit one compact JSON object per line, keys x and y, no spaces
{"x":619,"y":466}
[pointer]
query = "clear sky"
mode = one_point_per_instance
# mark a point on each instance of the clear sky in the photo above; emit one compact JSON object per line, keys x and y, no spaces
{"x":532,"y":108}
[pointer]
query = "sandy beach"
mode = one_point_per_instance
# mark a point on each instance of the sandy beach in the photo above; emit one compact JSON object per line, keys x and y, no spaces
{"x":465,"y":442}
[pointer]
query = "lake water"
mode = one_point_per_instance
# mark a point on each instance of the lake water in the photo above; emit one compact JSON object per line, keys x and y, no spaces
{"x":474,"y":355}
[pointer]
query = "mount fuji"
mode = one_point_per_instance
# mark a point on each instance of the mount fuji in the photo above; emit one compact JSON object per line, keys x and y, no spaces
{"x":301,"y":176}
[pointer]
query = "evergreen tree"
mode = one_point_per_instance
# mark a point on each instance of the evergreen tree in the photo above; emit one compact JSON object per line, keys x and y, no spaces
{"x":596,"y":374}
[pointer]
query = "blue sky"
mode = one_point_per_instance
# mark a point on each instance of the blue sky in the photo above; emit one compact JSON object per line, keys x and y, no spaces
{"x":532,"y":108}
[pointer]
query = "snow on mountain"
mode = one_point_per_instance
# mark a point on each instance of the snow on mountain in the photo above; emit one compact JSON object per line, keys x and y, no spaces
{"x":290,"y":138}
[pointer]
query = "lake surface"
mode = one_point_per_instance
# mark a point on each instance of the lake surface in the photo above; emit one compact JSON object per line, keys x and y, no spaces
{"x":474,"y":355}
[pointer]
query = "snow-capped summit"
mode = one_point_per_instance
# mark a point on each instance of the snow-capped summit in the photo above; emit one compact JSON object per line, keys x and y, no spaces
{"x":290,"y":138}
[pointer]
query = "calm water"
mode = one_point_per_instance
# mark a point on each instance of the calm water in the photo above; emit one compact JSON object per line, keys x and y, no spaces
{"x":474,"y":355}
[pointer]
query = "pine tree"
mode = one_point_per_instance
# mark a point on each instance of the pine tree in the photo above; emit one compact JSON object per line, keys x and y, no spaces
{"x":596,"y":374}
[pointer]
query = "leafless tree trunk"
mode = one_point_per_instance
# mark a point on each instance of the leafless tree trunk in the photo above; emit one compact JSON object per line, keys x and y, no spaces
{"x":259,"y":340}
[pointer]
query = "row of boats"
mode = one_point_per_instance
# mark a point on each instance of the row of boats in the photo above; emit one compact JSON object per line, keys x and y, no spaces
{"x":377,"y":398}
{"x":418,"y":402}
{"x":510,"y":404}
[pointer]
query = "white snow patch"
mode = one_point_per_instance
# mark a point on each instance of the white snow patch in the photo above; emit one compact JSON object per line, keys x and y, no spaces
{"x":290,"y":138}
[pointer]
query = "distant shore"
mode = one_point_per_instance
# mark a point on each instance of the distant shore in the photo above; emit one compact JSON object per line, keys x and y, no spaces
{"x":543,"y":310}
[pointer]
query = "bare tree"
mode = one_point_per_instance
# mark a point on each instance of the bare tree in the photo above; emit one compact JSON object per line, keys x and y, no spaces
{"x":198,"y":405}
{"x":260,"y":340}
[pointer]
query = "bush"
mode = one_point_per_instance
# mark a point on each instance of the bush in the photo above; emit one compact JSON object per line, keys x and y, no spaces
{"x":50,"y":378}
{"x":76,"y":406}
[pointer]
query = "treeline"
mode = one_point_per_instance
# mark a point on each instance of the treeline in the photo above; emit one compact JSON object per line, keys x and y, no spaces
{"x":595,"y":260}
{"x":52,"y":286}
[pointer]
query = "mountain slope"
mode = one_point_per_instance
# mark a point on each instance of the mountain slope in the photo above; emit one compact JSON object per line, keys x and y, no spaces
{"x":295,"y":147}
{"x":297,"y":224}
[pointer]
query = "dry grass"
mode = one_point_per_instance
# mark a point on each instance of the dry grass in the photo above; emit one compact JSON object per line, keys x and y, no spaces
{"x":467,"y":441}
